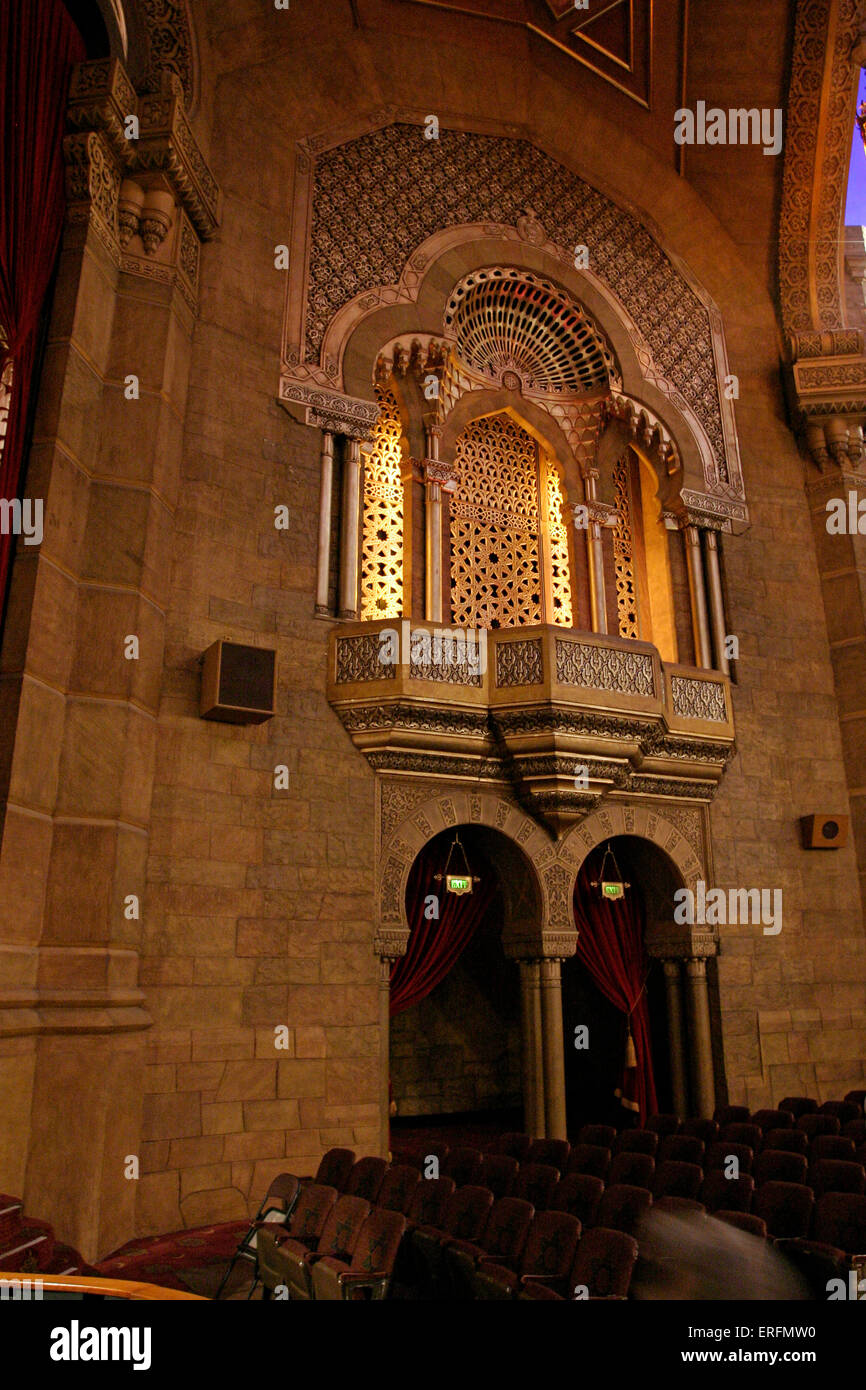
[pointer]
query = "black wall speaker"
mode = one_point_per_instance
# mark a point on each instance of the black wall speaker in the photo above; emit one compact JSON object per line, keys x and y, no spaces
{"x":824,"y":831}
{"x":238,"y":683}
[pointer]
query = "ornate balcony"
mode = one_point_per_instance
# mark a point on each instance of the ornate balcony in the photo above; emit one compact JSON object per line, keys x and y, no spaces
{"x":565,"y":717}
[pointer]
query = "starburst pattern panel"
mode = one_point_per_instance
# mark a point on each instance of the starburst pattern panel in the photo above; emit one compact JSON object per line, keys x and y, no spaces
{"x":495,"y":579}
{"x":382,"y":543}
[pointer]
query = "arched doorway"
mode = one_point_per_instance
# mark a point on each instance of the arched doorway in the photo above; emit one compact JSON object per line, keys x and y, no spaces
{"x":456,"y":1050}
{"x":594,"y":1071}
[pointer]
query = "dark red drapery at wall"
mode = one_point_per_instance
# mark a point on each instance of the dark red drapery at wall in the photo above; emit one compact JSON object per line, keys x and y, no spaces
{"x":610,"y":944}
{"x":435,"y":945}
{"x":39,"y":45}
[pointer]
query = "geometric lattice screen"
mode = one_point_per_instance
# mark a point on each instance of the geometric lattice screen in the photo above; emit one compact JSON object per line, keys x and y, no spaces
{"x":495,"y":564}
{"x":560,"y":576}
{"x":623,"y":551}
{"x":382,"y":536}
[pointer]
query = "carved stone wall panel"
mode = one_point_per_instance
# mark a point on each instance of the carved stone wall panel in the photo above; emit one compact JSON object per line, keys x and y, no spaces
{"x":698,"y":699}
{"x":410,"y":190}
{"x":818,"y":125}
{"x":358,"y":660}
{"x":603,"y":668}
{"x":519,"y":663}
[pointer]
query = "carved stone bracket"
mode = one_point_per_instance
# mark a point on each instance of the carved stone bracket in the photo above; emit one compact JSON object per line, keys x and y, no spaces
{"x":329,"y":410}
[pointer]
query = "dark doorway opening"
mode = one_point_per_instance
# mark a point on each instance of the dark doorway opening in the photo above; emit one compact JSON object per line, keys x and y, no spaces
{"x":456,"y":1055}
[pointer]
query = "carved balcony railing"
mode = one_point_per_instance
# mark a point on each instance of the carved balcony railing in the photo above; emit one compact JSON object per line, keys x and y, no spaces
{"x":566,"y":717}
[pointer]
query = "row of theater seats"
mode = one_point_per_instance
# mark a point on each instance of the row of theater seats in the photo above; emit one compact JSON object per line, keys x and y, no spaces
{"x":548,"y":1228}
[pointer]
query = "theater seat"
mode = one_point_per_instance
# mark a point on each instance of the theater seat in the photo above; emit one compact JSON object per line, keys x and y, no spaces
{"x":501,"y":1241}
{"x":679,"y":1206}
{"x":597,"y":1134}
{"x":831,"y":1146}
{"x":622,"y":1207}
{"x":498,"y":1172}
{"x":604,"y":1263}
{"x":739,"y":1132}
{"x":368,"y":1272}
{"x":463,"y":1165}
{"x":844,"y":1110}
{"x":514,"y":1144}
{"x":744,"y":1221}
{"x":780,"y":1166}
{"x":685,"y":1148}
{"x":291,"y":1261}
{"x":819,"y":1124}
{"x":637,"y":1141}
{"x":465,"y":1215}
{"x":773,"y":1119}
{"x":589,"y":1158}
{"x":835,"y":1175}
{"x":314,"y":1205}
{"x":429,"y":1201}
{"x":553,"y":1152}
{"x":578,"y":1194}
{"x":786,"y":1207}
{"x":675,"y":1179}
{"x":702,"y":1129}
{"x":334,"y":1168}
{"x":636,"y":1169}
{"x":398,"y":1188}
{"x":791,"y":1140}
{"x":720,"y":1152}
{"x":536,"y":1183}
{"x":840,"y":1220}
{"x":730,"y":1114}
{"x":663,"y":1124}
{"x":728,"y":1194}
{"x":548,"y":1254}
{"x":857,"y":1098}
{"x":366,"y":1178}
{"x":799,"y":1105}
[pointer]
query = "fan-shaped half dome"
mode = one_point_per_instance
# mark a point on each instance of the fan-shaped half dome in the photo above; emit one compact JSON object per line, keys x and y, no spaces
{"x":508,"y":321}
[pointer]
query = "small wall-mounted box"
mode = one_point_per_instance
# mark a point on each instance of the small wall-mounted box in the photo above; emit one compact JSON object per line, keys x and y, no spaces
{"x":238,"y":683}
{"x":824,"y":831}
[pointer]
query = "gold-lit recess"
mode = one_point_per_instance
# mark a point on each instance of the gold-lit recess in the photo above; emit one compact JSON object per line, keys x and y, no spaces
{"x":382,"y":539}
{"x":560,"y":574}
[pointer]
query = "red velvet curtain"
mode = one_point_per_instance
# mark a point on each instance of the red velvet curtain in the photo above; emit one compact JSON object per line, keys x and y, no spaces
{"x":39,"y":45}
{"x":436,"y":945}
{"x":610,"y":944}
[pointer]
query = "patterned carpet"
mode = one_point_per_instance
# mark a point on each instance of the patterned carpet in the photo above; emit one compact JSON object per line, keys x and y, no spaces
{"x":193,"y":1261}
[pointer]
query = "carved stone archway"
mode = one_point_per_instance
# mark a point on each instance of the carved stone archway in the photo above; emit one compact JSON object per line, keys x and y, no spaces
{"x":680,"y":833}
{"x":334,"y":327}
{"x":410,"y":816}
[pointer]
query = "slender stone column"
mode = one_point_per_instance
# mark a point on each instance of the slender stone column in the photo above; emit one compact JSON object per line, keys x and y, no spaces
{"x":531,"y":1051}
{"x":697,"y":592}
{"x":385,"y":1056}
{"x":717,"y":603}
{"x":325,"y":503}
{"x":432,"y":529}
{"x":703,"y":1086}
{"x":595,"y":556}
{"x":350,"y":530}
{"x":552,"y":1041}
{"x":673,"y":986}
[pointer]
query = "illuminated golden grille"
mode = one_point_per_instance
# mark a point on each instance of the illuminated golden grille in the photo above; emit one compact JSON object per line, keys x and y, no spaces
{"x":511,"y":320}
{"x":495,"y":579}
{"x":382,"y":539}
{"x":560,"y":574}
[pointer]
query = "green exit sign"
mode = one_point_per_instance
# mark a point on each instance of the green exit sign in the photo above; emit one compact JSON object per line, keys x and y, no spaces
{"x":456,"y":883}
{"x":612,"y":890}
